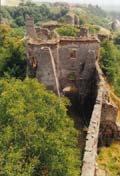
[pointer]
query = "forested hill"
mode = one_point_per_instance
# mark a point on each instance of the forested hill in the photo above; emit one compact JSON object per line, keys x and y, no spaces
{"x":37,"y":137}
{"x":15,"y":16}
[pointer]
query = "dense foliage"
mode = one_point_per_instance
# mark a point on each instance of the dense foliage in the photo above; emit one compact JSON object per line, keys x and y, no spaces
{"x":109,"y":159}
{"x":110,"y":63}
{"x":93,"y":15}
{"x":43,"y":12}
{"x":117,"y":39}
{"x":16,"y":15}
{"x":12,"y":53}
{"x":36,"y":138}
{"x":94,"y":29}
{"x":67,"y":30}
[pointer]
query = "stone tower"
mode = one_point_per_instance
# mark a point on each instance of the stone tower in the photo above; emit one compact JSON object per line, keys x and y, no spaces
{"x":31,"y":32}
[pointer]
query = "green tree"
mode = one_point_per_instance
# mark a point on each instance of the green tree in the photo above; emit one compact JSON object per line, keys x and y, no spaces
{"x":37,"y":138}
{"x":108,"y":58}
{"x":12,"y":54}
{"x":4,"y":33}
{"x":93,"y":29}
{"x":67,"y":30}
{"x":110,"y":63}
{"x":20,"y":21}
{"x":117,"y":39}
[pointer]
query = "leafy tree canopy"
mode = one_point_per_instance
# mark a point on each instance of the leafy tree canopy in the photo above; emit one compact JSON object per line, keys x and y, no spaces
{"x":110,"y":63}
{"x":37,"y":138}
{"x":12,"y":53}
{"x":41,"y":13}
{"x":67,"y":30}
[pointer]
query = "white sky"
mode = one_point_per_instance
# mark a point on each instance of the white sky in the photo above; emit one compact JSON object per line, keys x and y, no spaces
{"x":99,"y":2}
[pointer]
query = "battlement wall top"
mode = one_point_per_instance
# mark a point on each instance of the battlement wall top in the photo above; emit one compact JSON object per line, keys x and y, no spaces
{"x":79,"y":39}
{"x":62,"y":40}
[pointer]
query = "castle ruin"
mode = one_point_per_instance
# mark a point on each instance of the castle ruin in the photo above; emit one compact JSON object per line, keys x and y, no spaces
{"x":69,"y":66}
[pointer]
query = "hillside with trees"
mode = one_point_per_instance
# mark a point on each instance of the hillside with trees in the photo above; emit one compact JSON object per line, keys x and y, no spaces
{"x":15,"y":16}
{"x":90,"y":14}
{"x":37,"y":136}
{"x":110,"y":64}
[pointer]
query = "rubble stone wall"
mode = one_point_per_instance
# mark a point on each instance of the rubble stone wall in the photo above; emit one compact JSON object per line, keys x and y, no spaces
{"x":31,"y":32}
{"x":90,"y":154}
{"x":73,"y":60}
{"x":104,"y":110}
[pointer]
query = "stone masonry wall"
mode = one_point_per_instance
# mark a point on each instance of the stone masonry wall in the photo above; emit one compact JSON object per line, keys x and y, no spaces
{"x":90,"y":154}
{"x":31,"y":32}
{"x":72,"y":60}
{"x":104,"y":110}
{"x":109,"y":112}
{"x":45,"y":68}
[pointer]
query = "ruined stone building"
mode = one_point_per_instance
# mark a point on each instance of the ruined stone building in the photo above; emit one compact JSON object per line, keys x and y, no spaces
{"x":69,"y":66}
{"x":61,"y":62}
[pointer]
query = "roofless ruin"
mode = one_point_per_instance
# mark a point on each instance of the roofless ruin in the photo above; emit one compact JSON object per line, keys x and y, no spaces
{"x":69,"y":66}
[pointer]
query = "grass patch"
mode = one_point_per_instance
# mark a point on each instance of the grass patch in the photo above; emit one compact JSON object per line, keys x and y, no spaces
{"x":109,"y":159}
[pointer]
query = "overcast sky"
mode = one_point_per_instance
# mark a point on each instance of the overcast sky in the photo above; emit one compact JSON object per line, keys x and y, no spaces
{"x":99,"y":2}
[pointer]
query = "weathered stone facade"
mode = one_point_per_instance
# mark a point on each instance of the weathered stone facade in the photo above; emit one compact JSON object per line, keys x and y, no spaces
{"x":74,"y":58}
{"x":30,"y":28}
